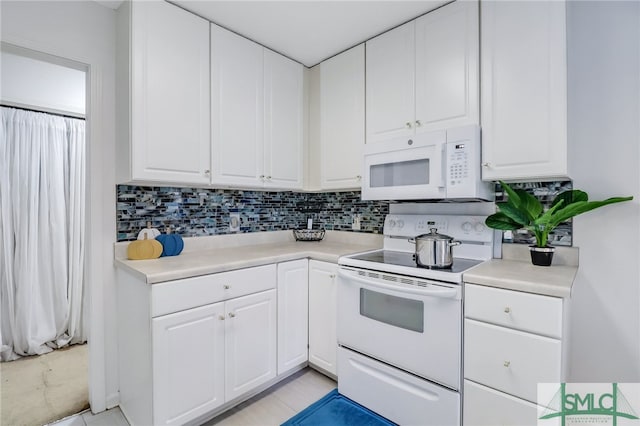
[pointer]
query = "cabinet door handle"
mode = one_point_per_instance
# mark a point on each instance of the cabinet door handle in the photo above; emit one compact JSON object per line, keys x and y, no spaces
{"x":207,"y":172}
{"x":268,"y":177}
{"x":507,"y":310}
{"x":418,"y":123}
{"x":488,"y":165}
{"x":332,"y":276}
{"x":232,"y":315}
{"x":221,"y":317}
{"x":262,"y":178}
{"x":227,"y":286}
{"x":407,"y":124}
{"x":359,"y":177}
{"x":507,"y":364}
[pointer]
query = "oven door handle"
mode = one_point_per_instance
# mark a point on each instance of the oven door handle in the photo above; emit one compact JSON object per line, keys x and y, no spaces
{"x":449,"y":293}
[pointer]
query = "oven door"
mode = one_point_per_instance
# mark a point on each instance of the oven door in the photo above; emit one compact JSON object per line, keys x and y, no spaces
{"x":411,"y":323}
{"x":405,"y":169}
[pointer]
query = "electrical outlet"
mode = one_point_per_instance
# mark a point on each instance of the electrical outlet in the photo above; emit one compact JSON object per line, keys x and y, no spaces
{"x":355,"y":224}
{"x":234,"y":222}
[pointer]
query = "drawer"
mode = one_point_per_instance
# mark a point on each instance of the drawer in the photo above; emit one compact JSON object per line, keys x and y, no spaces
{"x":395,"y":394}
{"x":484,"y":406}
{"x":523,"y":311}
{"x":509,"y":360}
{"x":175,"y":296}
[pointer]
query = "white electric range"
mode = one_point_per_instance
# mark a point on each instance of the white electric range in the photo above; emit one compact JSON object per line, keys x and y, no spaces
{"x":400,"y":325}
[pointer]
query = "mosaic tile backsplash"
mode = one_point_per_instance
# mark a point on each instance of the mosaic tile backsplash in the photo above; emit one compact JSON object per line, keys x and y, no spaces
{"x":545,"y":192}
{"x":193,"y":212}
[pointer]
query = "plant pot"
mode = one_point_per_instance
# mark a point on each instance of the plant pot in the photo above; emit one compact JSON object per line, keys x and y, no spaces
{"x":541,"y":256}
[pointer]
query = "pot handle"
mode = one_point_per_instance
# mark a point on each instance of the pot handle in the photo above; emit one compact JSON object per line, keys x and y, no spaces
{"x":454,"y":243}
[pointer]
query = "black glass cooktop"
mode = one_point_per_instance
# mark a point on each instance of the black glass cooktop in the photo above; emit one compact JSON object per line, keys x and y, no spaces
{"x":400,"y":258}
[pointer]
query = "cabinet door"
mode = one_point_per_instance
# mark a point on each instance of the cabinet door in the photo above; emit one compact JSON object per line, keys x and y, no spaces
{"x":484,"y":406}
{"x":447,"y":80}
{"x":188,"y":364}
{"x":250,"y":342}
{"x":170,"y":94}
{"x":293,"y":314}
{"x":283,"y":95}
{"x":524,"y":90}
{"x":236,"y":109}
{"x":342,"y":119}
{"x":323,"y":342}
{"x":390,"y":70}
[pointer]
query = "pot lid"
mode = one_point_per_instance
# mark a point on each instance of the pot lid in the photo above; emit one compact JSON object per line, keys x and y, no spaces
{"x":433,"y":235}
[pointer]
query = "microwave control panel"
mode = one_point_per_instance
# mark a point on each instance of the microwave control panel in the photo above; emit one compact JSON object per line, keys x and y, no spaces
{"x":459,"y":163}
{"x":462,"y":165}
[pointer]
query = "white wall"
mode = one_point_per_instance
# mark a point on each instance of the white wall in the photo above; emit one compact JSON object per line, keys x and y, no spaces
{"x":604,"y":140}
{"x":42,"y":85}
{"x":84,"y":31}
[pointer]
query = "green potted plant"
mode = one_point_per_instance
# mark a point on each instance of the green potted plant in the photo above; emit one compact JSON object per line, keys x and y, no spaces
{"x":523,"y":210}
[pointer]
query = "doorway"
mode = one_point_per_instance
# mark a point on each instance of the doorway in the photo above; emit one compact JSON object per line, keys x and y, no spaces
{"x":43,"y":207}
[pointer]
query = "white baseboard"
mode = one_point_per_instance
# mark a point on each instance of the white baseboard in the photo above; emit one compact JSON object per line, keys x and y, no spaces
{"x":113,"y":400}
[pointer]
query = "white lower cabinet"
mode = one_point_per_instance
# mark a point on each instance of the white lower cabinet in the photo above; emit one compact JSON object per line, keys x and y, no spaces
{"x":184,"y":389}
{"x":250,"y":342}
{"x":323,"y":341}
{"x":187,"y":347}
{"x":293,"y":314}
{"x":207,"y":356}
{"x":512,"y":341}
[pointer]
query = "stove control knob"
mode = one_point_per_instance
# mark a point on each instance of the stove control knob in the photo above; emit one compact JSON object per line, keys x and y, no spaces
{"x":479,"y":227}
{"x":400,"y":223}
{"x":392,"y":223}
{"x":466,"y":226}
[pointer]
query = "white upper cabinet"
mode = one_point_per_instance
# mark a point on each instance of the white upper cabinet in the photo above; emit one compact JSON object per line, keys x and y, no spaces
{"x":447,"y":65}
{"x":342,"y":119}
{"x":423,"y":75}
{"x":524,"y":90}
{"x":237,"y":109}
{"x":256,"y":110}
{"x":283,"y":95}
{"x":390,"y":73}
{"x":163,"y":94}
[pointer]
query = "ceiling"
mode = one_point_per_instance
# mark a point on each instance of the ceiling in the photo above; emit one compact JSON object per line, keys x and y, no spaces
{"x":309,"y":31}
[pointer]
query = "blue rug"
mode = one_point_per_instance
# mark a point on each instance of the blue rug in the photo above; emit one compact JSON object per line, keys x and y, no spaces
{"x":336,"y":410}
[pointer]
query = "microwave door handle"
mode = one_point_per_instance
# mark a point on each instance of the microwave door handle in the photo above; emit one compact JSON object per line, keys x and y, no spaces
{"x":449,"y":293}
{"x":443,"y":166}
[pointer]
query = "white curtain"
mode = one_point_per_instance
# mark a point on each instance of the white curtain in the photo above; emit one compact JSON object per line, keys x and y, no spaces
{"x":42,"y":232}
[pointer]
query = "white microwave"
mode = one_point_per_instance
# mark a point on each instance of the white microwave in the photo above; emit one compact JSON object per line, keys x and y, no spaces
{"x":443,"y":164}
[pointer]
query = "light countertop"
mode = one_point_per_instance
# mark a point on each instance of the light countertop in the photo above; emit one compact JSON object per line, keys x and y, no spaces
{"x":516,"y":272}
{"x":208,"y":255}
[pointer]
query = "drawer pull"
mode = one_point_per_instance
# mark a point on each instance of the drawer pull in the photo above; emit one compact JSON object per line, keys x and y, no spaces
{"x":507,"y":310}
{"x":507,"y":364}
{"x":232,"y":315}
{"x":221,"y":317}
{"x":227,"y":286}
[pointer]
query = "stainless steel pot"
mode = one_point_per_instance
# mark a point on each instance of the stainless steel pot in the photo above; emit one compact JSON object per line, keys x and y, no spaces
{"x":433,"y":250}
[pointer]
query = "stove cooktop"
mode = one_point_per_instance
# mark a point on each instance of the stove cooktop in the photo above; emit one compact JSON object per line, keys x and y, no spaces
{"x":399,"y":258}
{"x":403,"y":263}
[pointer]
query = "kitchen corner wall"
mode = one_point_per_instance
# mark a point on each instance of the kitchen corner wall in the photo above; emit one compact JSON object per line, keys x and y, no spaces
{"x":194,"y":212}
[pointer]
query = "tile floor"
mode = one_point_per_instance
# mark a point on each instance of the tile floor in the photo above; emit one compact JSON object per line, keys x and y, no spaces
{"x":269,"y":408}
